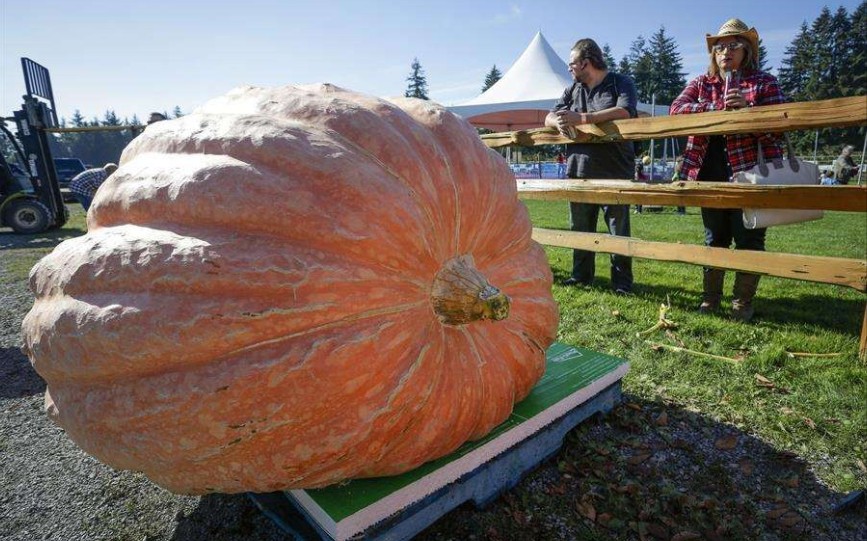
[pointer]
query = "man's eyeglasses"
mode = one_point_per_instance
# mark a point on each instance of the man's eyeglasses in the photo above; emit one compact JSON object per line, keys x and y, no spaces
{"x":732,"y":46}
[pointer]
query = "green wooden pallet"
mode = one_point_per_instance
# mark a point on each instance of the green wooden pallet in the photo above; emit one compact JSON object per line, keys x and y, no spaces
{"x":577,"y":384}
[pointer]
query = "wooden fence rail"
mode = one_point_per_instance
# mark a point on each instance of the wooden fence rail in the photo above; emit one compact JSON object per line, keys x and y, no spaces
{"x":842,"y":112}
{"x":836,"y":113}
{"x":827,"y":270}
{"x":697,"y":194}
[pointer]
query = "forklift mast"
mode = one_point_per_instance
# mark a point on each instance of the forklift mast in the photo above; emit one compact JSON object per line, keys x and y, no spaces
{"x":38,"y":114}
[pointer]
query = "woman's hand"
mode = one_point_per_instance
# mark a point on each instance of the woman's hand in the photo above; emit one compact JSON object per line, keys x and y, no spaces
{"x":735,"y":100}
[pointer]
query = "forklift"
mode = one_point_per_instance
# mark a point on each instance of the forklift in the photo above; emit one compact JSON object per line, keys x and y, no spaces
{"x":30,"y":198}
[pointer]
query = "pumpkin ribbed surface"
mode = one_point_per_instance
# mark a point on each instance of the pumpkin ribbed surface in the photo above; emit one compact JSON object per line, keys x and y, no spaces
{"x":291,"y":287}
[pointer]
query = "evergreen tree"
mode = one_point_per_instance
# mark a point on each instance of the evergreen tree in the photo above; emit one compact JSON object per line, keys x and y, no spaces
{"x":608,"y":57}
{"x":854,"y":75}
{"x":624,"y":67}
{"x":818,"y":85}
{"x":796,"y":65}
{"x":641,"y":67}
{"x":794,"y":74}
{"x":763,"y":57}
{"x":827,"y":59}
{"x":110,"y":118}
{"x":176,"y":112}
{"x":78,"y":119}
{"x":839,"y":53}
{"x":666,"y":74}
{"x":417,"y":87}
{"x":491,"y":78}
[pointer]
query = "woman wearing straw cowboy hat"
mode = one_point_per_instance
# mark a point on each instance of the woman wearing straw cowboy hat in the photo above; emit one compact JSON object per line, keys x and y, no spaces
{"x":733,"y":81}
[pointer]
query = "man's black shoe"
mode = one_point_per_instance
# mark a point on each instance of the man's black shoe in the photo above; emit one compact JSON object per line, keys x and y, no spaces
{"x":623,"y":291}
{"x":572,"y":281}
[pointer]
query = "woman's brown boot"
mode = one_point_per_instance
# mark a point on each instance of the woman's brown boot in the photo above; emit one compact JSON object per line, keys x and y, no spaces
{"x":713,"y":287}
{"x":744,"y":290}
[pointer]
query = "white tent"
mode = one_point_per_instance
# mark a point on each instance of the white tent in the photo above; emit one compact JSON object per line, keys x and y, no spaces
{"x":523,"y":96}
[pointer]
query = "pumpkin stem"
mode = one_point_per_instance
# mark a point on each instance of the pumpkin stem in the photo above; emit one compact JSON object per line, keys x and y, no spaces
{"x":461,"y":295}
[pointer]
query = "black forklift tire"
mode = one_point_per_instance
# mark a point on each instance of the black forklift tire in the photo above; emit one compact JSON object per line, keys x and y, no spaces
{"x":27,"y":216}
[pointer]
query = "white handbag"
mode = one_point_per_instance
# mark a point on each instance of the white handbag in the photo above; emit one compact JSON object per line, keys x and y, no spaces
{"x":780,"y":171}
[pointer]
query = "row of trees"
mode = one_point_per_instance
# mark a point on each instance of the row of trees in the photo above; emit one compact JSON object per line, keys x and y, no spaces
{"x":827,"y":59}
{"x":98,"y":147}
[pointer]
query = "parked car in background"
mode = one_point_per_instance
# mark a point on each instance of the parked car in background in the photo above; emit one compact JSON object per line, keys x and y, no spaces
{"x":66,"y":169}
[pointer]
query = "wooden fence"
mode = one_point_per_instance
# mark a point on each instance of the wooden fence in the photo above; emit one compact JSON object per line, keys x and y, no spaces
{"x":836,"y":113}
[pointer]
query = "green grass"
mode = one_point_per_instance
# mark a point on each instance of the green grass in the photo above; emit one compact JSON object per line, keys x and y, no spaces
{"x":818,"y":408}
{"x":26,"y":250}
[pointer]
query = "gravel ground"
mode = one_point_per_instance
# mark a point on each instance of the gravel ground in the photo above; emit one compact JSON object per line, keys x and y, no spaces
{"x":50,"y":489}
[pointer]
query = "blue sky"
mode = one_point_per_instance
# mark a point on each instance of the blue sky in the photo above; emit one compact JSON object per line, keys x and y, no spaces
{"x":138,"y":56}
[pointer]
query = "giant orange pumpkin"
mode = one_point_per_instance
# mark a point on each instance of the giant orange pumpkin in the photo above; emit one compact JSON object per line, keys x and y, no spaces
{"x":291,"y":287}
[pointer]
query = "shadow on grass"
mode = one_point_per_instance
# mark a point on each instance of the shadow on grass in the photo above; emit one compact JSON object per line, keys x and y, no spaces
{"x":17,"y":377}
{"x":826,"y":311}
{"x":644,"y":471}
{"x":46,"y":239}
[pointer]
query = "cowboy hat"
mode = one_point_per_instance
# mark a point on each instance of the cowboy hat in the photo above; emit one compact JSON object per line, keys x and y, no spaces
{"x":735,"y":28}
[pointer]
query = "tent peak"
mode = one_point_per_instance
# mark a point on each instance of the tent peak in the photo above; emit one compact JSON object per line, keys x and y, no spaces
{"x":537,"y":73}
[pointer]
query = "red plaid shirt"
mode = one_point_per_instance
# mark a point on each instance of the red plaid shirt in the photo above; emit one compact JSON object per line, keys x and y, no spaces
{"x":706,"y":93}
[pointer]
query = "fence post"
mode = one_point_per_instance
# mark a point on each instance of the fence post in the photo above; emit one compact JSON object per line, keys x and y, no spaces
{"x":862,"y":351}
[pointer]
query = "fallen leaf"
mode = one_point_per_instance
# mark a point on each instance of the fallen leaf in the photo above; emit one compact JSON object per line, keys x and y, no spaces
{"x":685,"y":536}
{"x":657,"y":530}
{"x":774,"y":514}
{"x":791,"y":519}
{"x":714,"y":535}
{"x":793,"y":482}
{"x":603,"y":519}
{"x":762,"y":379}
{"x":861,"y":465}
{"x":567,"y":467}
{"x":708,"y":503}
{"x":786,"y":411}
{"x":615,"y":524}
{"x":726,"y":443}
{"x":615,"y":313}
{"x":662,"y":420}
{"x":671,"y":523}
{"x":746,"y":466}
{"x":641,"y":528}
{"x":585,"y":508}
{"x":633,"y":406}
{"x":638,"y":459}
{"x":518,"y":516}
{"x":809,"y":422}
{"x":832,"y":421}
{"x":680,"y":443}
{"x":627,"y":489}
